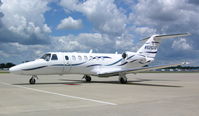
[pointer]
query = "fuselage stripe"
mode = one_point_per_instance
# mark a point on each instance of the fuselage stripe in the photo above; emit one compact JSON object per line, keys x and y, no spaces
{"x":94,"y":65}
{"x":130,"y":57}
{"x":34,"y":68}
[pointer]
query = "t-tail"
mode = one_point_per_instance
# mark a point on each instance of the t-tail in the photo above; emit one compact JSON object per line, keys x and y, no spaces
{"x":150,"y":48}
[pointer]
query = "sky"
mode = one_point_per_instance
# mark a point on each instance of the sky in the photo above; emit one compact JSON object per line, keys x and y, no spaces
{"x":30,"y":28}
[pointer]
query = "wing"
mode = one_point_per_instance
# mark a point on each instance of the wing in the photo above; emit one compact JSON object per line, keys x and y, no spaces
{"x":135,"y":70}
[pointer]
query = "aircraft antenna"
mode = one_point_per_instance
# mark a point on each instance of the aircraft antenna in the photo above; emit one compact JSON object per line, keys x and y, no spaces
{"x":91,"y":51}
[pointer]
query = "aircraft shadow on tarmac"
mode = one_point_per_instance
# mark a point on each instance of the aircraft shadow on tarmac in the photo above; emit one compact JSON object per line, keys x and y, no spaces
{"x":138,"y":82}
{"x":133,"y":82}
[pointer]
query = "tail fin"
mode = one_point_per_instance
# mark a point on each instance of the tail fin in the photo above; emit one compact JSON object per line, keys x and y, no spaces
{"x":150,"y":48}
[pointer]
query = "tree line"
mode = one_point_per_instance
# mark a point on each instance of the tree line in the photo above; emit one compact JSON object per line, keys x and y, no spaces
{"x":6,"y":65}
{"x":183,"y":67}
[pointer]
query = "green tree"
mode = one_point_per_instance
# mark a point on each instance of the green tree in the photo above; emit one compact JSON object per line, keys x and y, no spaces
{"x":9,"y":64}
{"x":2,"y":65}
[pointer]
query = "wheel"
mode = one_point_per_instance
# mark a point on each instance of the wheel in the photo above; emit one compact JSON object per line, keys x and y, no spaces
{"x":32,"y":81}
{"x":123,"y":79}
{"x":88,"y":78}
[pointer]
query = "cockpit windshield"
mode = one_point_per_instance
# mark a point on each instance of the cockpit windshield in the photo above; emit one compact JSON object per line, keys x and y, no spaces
{"x":46,"y":57}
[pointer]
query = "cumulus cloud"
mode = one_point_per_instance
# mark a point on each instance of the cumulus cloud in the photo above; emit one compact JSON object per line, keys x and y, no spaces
{"x":109,"y":24}
{"x":181,"y":44}
{"x":98,"y":42}
{"x":70,"y":23}
{"x":23,"y":30}
{"x":104,"y":14}
{"x":24,"y":22}
{"x":14,"y":51}
{"x":167,"y":17}
{"x":82,"y":42}
{"x":4,"y":55}
{"x":145,"y":30}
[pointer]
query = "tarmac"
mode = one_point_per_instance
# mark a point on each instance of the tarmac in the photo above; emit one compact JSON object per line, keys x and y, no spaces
{"x":145,"y":94}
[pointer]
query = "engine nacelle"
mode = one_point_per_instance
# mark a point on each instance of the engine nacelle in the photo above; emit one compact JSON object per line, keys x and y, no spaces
{"x":127,"y":54}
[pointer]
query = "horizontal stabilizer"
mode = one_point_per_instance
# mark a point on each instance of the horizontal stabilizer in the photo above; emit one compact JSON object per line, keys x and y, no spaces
{"x":168,"y":36}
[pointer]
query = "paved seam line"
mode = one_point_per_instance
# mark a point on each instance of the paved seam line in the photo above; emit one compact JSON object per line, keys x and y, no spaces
{"x":59,"y":94}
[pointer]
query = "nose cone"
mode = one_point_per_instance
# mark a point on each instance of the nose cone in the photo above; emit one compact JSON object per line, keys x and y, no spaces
{"x":15,"y":70}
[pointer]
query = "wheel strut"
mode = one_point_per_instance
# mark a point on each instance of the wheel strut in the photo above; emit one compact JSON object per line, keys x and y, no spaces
{"x":87,"y":78}
{"x":33,"y":79}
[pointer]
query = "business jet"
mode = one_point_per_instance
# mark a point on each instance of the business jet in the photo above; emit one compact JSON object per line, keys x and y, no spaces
{"x":96,"y":64}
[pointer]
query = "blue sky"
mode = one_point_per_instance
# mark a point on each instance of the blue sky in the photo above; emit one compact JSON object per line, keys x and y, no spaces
{"x":29,"y":28}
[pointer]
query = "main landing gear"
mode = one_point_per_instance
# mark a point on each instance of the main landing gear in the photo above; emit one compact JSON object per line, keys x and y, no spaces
{"x":87,"y":78}
{"x":122,"y":79}
{"x":33,"y":79}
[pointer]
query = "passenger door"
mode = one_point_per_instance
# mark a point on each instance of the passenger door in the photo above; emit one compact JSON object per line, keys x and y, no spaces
{"x":67,"y":65}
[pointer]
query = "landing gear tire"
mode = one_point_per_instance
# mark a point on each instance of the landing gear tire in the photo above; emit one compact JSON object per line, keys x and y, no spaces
{"x":123,"y":79}
{"x":87,"y":78}
{"x":32,"y":80}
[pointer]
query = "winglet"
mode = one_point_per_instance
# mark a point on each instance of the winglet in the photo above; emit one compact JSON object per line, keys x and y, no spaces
{"x":91,"y":51}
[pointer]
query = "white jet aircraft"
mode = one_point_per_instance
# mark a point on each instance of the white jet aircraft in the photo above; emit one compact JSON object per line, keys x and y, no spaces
{"x":95,"y":64}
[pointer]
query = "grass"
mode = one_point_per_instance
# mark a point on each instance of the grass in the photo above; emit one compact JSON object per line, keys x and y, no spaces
{"x":2,"y":71}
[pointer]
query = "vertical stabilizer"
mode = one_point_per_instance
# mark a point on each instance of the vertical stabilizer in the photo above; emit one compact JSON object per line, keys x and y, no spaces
{"x":150,"y":48}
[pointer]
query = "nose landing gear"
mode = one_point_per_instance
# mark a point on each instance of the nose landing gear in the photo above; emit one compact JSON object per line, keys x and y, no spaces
{"x":33,"y":79}
{"x":87,"y":78}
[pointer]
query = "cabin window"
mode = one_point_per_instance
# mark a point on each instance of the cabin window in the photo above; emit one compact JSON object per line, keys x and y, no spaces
{"x":85,"y":58}
{"x":96,"y":58}
{"x":73,"y":58}
{"x":46,"y":57}
{"x":102,"y":58}
{"x":79,"y":58}
{"x":66,"y":57}
{"x":54,"y":57}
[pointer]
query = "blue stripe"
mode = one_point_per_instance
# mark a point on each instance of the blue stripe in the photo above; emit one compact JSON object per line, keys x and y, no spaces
{"x":142,"y":55}
{"x":68,"y":64}
{"x":101,"y":57}
{"x":34,"y":68}
{"x":114,"y":63}
{"x":133,"y":61}
{"x":141,"y":62}
{"x":130,"y":57}
{"x":94,"y":65}
{"x":77,"y":64}
{"x":53,"y":65}
{"x":123,"y":64}
{"x":106,"y":57}
{"x":152,"y":52}
{"x":57,"y":65}
{"x":105,"y":65}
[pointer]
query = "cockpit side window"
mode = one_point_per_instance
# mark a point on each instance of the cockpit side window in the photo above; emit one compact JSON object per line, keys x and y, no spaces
{"x":46,"y":57}
{"x":54,"y":57}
